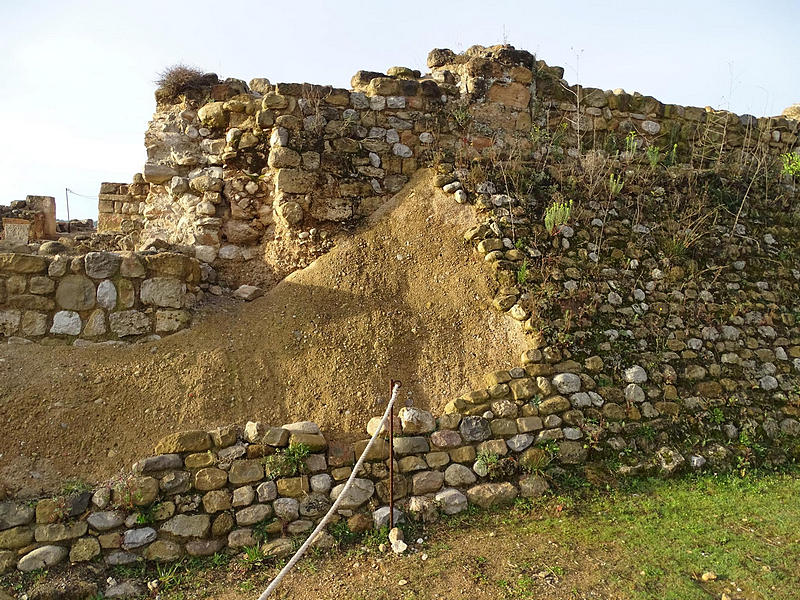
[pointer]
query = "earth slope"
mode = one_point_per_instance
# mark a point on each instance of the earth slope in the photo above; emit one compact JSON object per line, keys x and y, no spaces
{"x":403,"y":298}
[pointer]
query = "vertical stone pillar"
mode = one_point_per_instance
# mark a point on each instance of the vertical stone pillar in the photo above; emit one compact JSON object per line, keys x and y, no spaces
{"x":47,"y":206}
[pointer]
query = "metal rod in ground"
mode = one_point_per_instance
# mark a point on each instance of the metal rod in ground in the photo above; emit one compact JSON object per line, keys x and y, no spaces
{"x":391,"y":464}
{"x":299,"y":554}
{"x":66,"y":193}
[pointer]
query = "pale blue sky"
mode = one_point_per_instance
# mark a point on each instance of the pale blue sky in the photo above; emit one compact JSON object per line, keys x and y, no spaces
{"x":77,"y":76}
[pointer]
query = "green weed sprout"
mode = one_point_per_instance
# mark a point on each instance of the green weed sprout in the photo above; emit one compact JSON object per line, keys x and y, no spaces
{"x":557,"y":215}
{"x":653,"y":156}
{"x":791,"y":163}
{"x":615,"y":184}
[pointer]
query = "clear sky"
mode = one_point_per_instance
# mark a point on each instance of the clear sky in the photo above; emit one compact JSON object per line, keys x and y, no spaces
{"x":77,"y":76}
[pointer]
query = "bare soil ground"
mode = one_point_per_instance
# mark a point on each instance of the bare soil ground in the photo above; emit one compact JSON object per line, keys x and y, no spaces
{"x":403,"y":298}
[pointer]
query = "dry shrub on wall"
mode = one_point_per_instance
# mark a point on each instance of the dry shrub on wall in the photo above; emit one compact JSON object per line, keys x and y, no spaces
{"x":181,"y":79}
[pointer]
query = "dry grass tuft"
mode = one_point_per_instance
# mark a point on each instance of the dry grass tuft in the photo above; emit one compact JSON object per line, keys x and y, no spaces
{"x":179,"y":79}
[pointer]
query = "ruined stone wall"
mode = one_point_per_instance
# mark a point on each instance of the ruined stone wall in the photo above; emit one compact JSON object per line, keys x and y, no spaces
{"x":31,"y":219}
{"x":120,"y":205}
{"x":230,"y":488}
{"x":537,"y":95}
{"x":665,"y":365}
{"x":243,"y":166}
{"x":205,"y":491}
{"x":97,"y":296}
{"x":238,"y":171}
{"x":664,"y":376}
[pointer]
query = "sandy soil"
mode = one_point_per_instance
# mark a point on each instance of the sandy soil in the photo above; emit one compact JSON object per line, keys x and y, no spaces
{"x":403,"y":298}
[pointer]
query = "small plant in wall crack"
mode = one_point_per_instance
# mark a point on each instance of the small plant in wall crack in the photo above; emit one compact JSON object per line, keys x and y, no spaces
{"x":497,"y":468}
{"x":631,"y":143}
{"x":124,"y":494}
{"x":615,"y":185}
{"x":486,"y":458}
{"x":550,"y":447}
{"x":557,"y":215}
{"x":791,"y":164}
{"x":522,"y":273}
{"x":461,"y":116}
{"x":653,"y":156}
{"x":536,"y":463}
{"x":261,"y":529}
{"x":147,"y":514}
{"x":288,"y":462}
{"x":671,"y":157}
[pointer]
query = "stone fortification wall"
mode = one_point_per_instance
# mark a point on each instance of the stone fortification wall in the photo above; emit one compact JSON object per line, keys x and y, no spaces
{"x":96,"y":296}
{"x":241,"y":170}
{"x":659,"y":364}
{"x":656,"y":381}
{"x":536,"y":97}
{"x":242,"y":166}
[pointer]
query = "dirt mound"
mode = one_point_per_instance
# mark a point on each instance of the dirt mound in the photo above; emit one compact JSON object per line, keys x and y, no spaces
{"x":403,"y":298}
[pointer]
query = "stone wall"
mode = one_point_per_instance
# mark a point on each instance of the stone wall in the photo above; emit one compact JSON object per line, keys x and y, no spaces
{"x":202,"y":492}
{"x":245,"y":165}
{"x":236,"y":171}
{"x":718,"y":333}
{"x":96,"y":296}
{"x":694,"y":391}
{"x":509,"y":95}
{"x":661,"y":364}
{"x":205,"y":491}
{"x":121,"y":205}
{"x":40,"y":214}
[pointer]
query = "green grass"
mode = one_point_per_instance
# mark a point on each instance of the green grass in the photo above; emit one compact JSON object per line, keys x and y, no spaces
{"x":669,"y":532}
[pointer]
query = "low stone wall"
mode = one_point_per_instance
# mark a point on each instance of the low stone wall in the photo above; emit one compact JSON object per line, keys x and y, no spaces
{"x":205,"y":491}
{"x":97,"y":296}
{"x":40,"y":214}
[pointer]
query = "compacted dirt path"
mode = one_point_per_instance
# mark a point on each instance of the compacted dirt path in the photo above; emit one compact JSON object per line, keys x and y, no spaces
{"x":403,"y":298}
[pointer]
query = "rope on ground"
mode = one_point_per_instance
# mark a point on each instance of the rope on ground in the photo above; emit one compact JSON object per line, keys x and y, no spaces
{"x":299,"y":554}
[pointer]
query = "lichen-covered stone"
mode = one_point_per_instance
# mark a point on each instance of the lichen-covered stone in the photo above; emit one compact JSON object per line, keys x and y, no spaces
{"x":42,"y":558}
{"x":84,"y":549}
{"x":184,"y":441}
{"x":129,"y":322}
{"x":210,"y":478}
{"x":487,"y":495}
{"x":361,"y":491}
{"x":15,"y":537}
{"x":13,"y":514}
{"x":163,"y":551}
{"x":475,"y":429}
{"x":245,"y":471}
{"x":187,"y":526}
